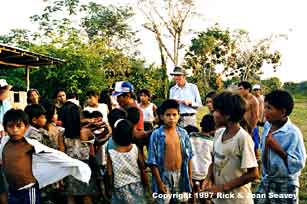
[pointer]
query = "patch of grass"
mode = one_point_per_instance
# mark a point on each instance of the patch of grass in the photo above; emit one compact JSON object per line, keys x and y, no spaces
{"x":298,"y":117}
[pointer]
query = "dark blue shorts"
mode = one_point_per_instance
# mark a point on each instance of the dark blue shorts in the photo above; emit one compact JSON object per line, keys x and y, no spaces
{"x":26,"y":196}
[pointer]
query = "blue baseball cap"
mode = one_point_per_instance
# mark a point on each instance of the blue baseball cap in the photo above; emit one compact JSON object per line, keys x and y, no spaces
{"x":122,"y":87}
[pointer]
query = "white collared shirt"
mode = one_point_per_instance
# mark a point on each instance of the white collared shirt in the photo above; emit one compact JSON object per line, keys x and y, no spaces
{"x":50,"y":165}
{"x":189,"y":91}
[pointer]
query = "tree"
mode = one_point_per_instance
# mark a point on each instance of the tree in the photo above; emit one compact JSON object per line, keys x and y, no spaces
{"x":167,"y":20}
{"x":271,"y":84}
{"x":109,"y":23}
{"x":233,"y":51}
{"x":249,"y":56}
{"x":207,"y":50}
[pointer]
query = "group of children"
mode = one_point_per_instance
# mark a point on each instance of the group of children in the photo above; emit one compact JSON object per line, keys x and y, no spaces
{"x":215,"y":165}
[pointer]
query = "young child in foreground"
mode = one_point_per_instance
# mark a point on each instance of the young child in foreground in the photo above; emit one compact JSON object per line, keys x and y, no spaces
{"x":125,"y":165}
{"x":234,"y":164}
{"x":170,"y":156}
{"x":28,"y":164}
{"x":283,"y":152}
{"x":202,"y":146}
{"x":37,"y":120}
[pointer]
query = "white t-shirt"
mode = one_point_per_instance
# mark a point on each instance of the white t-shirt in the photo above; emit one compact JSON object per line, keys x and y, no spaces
{"x":202,"y":149}
{"x":232,"y":158}
{"x":148,"y":112}
{"x":102,"y":108}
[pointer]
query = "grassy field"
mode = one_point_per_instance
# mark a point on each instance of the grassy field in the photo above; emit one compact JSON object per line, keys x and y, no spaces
{"x":298,"y":117}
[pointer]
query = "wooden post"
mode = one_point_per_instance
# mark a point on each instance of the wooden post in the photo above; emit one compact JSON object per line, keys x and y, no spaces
{"x":28,"y":77}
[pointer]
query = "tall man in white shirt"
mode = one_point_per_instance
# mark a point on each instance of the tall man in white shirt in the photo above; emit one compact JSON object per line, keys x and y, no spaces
{"x":187,"y":95}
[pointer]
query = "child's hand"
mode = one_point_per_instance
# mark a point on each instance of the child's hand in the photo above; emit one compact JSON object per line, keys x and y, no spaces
{"x":162,"y":188}
{"x":216,"y":189}
{"x":207,"y":183}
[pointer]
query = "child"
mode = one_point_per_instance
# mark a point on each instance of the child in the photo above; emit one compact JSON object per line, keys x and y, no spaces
{"x":234,"y":164}
{"x":126,"y":166}
{"x":33,"y":96}
{"x":55,"y":132}
{"x":170,"y":156}
{"x":202,"y":146}
{"x":283,"y":151}
{"x":29,"y":165}
{"x":93,"y":105}
{"x":209,"y":101}
{"x":148,"y":108}
{"x":37,"y":119}
{"x":76,"y":146}
{"x":191,"y":129}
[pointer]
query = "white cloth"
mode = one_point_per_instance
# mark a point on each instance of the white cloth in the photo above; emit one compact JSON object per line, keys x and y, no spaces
{"x":202,"y":149}
{"x":148,"y":112}
{"x":125,"y":167}
{"x":50,"y":165}
{"x":232,"y":158}
{"x":102,"y":108}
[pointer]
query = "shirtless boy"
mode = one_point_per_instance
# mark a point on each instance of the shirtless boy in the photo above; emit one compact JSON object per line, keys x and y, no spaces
{"x":251,"y":115}
{"x":28,"y":164}
{"x":169,"y":155}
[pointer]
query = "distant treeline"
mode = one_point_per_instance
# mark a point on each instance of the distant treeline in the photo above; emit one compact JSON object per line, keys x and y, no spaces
{"x":297,"y":89}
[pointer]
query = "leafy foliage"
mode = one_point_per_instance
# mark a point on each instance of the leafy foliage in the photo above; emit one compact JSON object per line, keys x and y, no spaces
{"x":233,"y":51}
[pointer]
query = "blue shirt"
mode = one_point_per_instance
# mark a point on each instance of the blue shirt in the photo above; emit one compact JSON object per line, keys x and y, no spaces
{"x":4,"y":107}
{"x":291,"y":141}
{"x":189,"y":91}
{"x":156,"y":151}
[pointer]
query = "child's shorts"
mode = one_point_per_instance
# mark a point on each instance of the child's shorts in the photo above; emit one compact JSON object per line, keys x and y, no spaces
{"x":29,"y":195}
{"x":173,"y":182}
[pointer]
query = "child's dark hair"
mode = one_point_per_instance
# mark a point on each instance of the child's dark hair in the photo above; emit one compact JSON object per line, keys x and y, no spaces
{"x":116,"y":114}
{"x":70,"y":117}
{"x":280,"y":99}
{"x":86,"y":114}
{"x":211,"y":94}
{"x":168,"y":104}
{"x":96,"y":114}
{"x":34,"y":111}
{"x":104,"y":97}
{"x":50,"y":110}
{"x":246,"y":85}
{"x":15,"y":116}
{"x":122,"y":132}
{"x":133,"y":115}
{"x":232,"y":105}
{"x":207,"y":123}
{"x":145,"y":91}
{"x":91,"y":93}
{"x":58,"y":91}
{"x":191,"y":128}
{"x":72,"y":95}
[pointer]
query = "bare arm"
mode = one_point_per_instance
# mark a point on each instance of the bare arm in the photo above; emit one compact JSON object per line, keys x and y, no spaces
{"x":156,"y":174}
{"x":190,"y":173}
{"x":250,"y":175}
{"x":109,"y":175}
{"x":254,"y":108}
{"x":141,"y":163}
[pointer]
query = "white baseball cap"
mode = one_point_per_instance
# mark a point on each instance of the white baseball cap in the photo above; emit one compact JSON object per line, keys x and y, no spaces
{"x":4,"y":84}
{"x":122,"y":87}
{"x":256,"y":86}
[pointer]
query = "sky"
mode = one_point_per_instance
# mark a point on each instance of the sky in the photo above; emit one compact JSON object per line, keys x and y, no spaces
{"x":260,"y":18}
